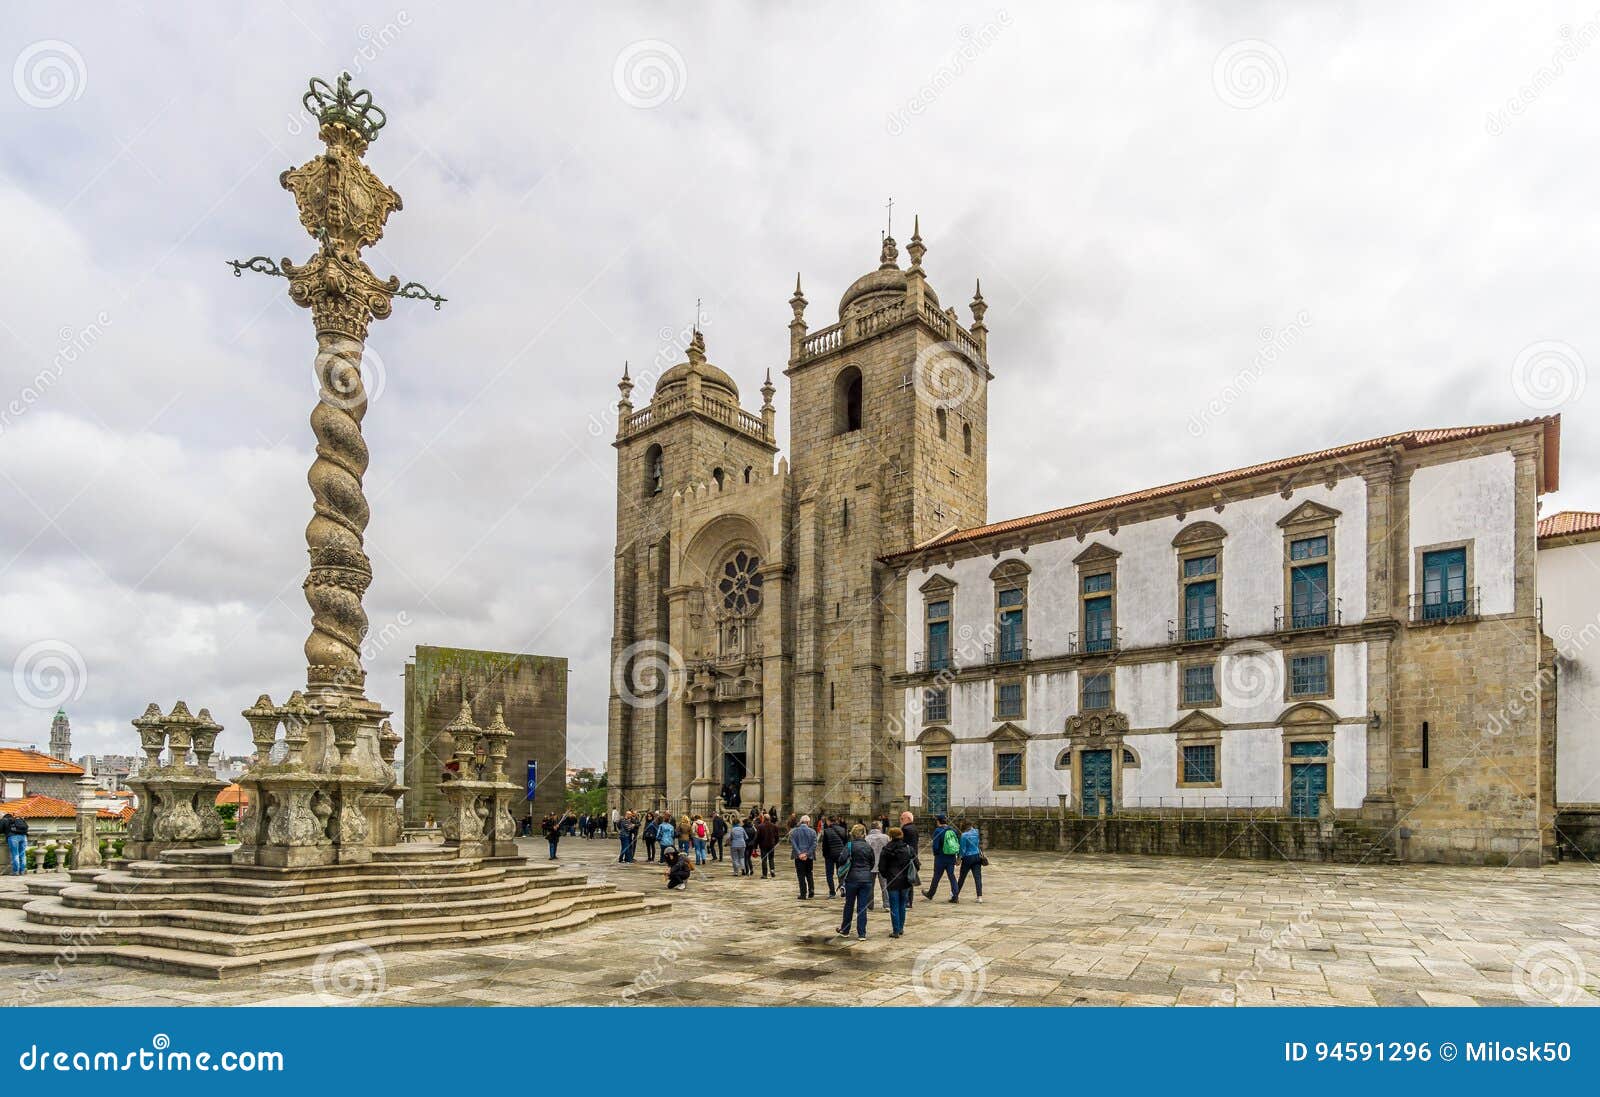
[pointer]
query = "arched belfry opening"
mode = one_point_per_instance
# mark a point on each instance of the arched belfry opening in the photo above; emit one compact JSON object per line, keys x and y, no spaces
{"x":847,"y":401}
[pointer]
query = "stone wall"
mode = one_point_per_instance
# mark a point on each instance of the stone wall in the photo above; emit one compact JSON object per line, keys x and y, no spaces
{"x":533,"y":689}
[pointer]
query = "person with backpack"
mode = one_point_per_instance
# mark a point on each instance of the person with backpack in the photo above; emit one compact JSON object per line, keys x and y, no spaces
{"x":15,"y":828}
{"x":552,"y":833}
{"x":894,"y":869}
{"x":649,"y":833}
{"x":833,"y":839}
{"x":719,"y":834}
{"x":972,"y":860}
{"x":803,"y":848}
{"x":946,"y":845}
{"x":860,"y":881}
{"x":699,"y":834}
{"x":908,"y":827}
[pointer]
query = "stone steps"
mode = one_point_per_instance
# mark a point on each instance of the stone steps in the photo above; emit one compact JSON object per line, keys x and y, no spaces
{"x":194,"y":912}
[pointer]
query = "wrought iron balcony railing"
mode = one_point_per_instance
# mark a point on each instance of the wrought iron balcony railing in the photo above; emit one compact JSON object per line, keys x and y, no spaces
{"x":1444,"y":605}
{"x":1186,"y":632}
{"x":1095,"y":643}
{"x":1014,"y":652}
{"x":1291,"y":618}
{"x":922,"y":661}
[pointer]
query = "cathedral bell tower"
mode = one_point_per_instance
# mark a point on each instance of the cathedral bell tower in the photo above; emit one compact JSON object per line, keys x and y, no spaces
{"x":889,"y":434}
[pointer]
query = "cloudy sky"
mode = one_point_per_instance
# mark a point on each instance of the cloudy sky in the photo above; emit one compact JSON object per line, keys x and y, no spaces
{"x":1152,"y":194}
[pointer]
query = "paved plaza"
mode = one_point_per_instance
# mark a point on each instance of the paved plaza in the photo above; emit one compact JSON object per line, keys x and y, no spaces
{"x":1054,"y":930}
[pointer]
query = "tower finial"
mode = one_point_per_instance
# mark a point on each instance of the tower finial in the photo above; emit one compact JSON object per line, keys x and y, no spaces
{"x":916,"y":249}
{"x":890,"y":207}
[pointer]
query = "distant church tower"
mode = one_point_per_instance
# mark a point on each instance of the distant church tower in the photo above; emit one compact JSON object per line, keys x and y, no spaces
{"x":61,"y":737}
{"x":751,"y":638}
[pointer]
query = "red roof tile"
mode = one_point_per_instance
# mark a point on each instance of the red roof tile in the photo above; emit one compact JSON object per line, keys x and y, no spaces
{"x":1569,"y":522}
{"x":31,"y":761}
{"x":1407,"y":440}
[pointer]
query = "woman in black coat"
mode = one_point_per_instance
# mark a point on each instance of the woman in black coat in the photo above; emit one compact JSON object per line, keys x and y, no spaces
{"x":859,"y":882}
{"x":894,"y":867}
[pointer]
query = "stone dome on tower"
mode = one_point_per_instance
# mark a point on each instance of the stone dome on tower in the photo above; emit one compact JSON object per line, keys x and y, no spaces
{"x":676,"y":379}
{"x":888,"y":284}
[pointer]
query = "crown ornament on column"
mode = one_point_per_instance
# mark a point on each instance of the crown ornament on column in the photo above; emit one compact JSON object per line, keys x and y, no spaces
{"x":338,"y":105}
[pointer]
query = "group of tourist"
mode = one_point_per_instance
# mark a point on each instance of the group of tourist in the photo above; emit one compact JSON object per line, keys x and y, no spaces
{"x":867,"y":864}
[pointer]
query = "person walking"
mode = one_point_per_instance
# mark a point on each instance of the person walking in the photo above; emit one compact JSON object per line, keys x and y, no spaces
{"x":667,"y":835}
{"x":894,"y":870}
{"x":738,"y":847}
{"x":859,"y":881}
{"x":767,"y":838}
{"x":803,"y":848}
{"x":833,"y":840}
{"x":15,"y":828}
{"x":972,"y":860}
{"x":699,"y":834}
{"x":552,"y":833}
{"x":946,"y":845}
{"x":627,"y":832}
{"x":877,"y":839}
{"x":719,"y":832}
{"x":908,"y":827}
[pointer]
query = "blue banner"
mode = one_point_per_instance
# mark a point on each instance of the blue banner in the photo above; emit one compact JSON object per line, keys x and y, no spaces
{"x":533,"y":778}
{"x":972,"y":1051}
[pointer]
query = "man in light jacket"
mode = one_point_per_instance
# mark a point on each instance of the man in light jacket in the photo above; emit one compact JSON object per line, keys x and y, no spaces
{"x":803,"y":848}
{"x":877,"y":839}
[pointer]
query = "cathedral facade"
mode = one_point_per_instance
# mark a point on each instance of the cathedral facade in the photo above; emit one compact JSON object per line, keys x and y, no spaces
{"x":754,"y":626}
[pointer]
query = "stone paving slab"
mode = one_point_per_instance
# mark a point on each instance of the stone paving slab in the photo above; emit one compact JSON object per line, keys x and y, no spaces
{"x":1053,"y":930}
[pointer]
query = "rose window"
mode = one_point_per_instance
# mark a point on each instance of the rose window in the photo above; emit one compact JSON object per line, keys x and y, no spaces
{"x":740,"y":583}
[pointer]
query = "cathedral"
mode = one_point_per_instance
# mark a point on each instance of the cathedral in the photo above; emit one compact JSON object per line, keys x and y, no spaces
{"x":1380,"y":643}
{"x":752,"y":633}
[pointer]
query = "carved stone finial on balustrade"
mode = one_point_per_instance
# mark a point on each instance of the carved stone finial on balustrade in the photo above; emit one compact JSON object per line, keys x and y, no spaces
{"x":345,"y":720}
{"x":205,"y":738}
{"x":499,"y":736}
{"x":263,"y":718}
{"x":297,"y":715}
{"x":180,"y":724}
{"x":463,"y":737}
{"x":388,"y":742}
{"x":152,"y":735}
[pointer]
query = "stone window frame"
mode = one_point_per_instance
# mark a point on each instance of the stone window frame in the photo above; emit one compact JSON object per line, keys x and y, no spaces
{"x":936,"y":742}
{"x":1419,"y":554}
{"x":941,"y":419}
{"x":1064,"y":759}
{"x":966,"y":439}
{"x":1021,"y":682}
{"x":1010,"y":575}
{"x":938,"y":588}
{"x":1084,"y":674}
{"x":1196,"y":541}
{"x":1308,"y":722}
{"x":1216,"y":692}
{"x":1289,"y":654}
{"x":1008,"y":735}
{"x":1198,"y":729}
{"x":1097,"y":559}
{"x":850,"y":375}
{"x":928,"y":719}
{"x":1309,"y":519}
{"x":655,"y":470}
{"x":1127,"y":753}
